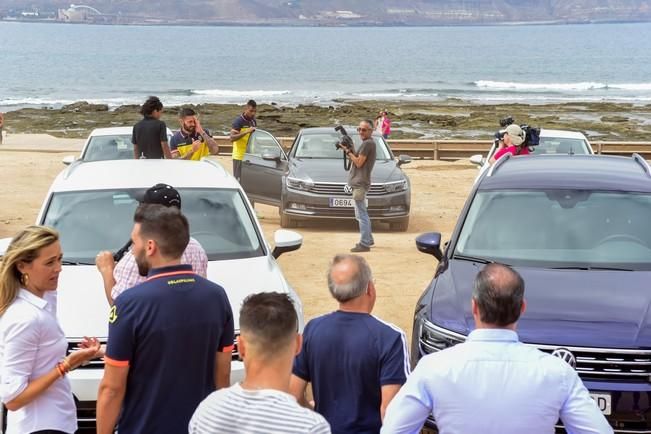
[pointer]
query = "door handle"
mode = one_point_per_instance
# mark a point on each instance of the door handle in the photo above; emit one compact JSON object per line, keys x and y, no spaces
{"x":247,"y":161}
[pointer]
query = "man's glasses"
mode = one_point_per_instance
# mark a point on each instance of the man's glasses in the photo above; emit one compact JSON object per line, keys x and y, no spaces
{"x":363,"y":129}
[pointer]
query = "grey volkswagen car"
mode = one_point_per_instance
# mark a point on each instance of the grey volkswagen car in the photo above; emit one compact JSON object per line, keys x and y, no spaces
{"x":310,"y":180}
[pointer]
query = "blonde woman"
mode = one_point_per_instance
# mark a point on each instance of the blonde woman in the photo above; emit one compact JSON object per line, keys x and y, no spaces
{"x":33,"y":362}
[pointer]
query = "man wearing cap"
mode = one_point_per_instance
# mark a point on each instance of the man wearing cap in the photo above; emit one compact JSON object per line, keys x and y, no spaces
{"x":120,"y":276}
{"x":512,"y":143}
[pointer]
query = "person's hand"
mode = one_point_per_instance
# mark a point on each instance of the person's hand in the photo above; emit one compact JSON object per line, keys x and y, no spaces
{"x":88,"y":349}
{"x":252,"y":129}
{"x":198,"y":126}
{"x":105,"y":262}
{"x":196,"y":145}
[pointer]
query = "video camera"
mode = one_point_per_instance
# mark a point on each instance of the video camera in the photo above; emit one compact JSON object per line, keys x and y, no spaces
{"x":345,"y":142}
{"x":531,"y":134}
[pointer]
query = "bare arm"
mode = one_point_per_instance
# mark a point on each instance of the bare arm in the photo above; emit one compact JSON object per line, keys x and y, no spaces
{"x":212,"y":144}
{"x":388,"y":393}
{"x":223,"y":369}
{"x":297,"y":387}
{"x":106,"y":266}
{"x":236,"y":135}
{"x":136,"y":151}
{"x":110,"y":396}
{"x":358,"y":160}
{"x":166,"y":150}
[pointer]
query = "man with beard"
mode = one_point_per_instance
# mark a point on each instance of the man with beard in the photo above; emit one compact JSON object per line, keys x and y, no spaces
{"x":192,"y":141}
{"x":123,"y":275}
{"x":170,"y":338}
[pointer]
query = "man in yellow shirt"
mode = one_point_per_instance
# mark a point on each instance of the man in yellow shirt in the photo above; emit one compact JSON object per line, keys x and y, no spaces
{"x":241,"y":130}
{"x":192,"y":141}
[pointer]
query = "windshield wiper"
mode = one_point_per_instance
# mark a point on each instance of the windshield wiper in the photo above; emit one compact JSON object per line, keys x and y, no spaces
{"x":472,"y":258}
{"x":75,"y":263}
{"x":590,"y":268}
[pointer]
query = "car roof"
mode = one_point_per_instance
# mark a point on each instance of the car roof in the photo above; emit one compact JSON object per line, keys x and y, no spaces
{"x":112,"y":174}
{"x":112,"y":131}
{"x":331,"y":130}
{"x":561,"y":134}
{"x":595,"y":172}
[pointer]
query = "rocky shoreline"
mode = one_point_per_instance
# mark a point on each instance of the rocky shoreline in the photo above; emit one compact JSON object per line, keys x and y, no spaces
{"x":436,"y":120}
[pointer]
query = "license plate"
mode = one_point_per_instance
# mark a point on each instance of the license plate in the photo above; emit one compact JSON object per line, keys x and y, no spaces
{"x":603,"y":402}
{"x":336,"y":202}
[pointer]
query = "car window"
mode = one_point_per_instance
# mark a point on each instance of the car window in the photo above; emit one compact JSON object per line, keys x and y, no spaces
{"x":102,"y":148}
{"x":91,"y":221}
{"x":262,"y":142}
{"x":555,"y":145}
{"x":322,"y":145}
{"x":559,"y":228}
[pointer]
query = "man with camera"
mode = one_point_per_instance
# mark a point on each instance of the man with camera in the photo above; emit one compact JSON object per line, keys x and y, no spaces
{"x":360,"y":180}
{"x":512,"y":142}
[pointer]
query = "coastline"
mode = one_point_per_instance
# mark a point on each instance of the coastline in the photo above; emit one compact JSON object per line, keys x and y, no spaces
{"x":452,"y":118}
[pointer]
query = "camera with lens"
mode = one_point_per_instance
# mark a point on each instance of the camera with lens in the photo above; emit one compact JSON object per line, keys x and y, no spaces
{"x":531,"y":134}
{"x":345,"y":142}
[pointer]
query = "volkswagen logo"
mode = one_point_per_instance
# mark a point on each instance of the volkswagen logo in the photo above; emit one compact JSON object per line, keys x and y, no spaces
{"x":566,"y":356}
{"x":348,"y":189}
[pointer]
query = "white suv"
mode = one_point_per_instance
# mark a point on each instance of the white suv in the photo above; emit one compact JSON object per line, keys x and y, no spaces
{"x":92,"y":205}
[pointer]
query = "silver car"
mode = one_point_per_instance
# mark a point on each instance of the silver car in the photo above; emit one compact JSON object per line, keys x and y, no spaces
{"x":310,"y":181}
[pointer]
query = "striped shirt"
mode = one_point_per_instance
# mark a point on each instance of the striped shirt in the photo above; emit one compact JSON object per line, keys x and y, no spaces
{"x":236,"y":410}
{"x":126,"y":273}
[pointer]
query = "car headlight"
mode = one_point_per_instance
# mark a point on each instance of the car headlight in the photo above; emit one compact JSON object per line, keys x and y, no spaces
{"x":433,"y":338}
{"x":392,"y":187}
{"x":299,"y":183}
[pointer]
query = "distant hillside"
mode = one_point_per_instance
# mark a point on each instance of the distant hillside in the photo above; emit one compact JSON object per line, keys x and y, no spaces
{"x":359,"y":12}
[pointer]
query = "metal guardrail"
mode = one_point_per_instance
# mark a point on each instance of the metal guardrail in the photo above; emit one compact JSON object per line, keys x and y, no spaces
{"x":461,"y":149}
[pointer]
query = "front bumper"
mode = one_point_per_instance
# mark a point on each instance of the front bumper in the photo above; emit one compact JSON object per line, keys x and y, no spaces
{"x":380,"y":207}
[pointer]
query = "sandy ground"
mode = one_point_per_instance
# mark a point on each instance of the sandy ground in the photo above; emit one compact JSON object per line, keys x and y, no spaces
{"x":401,"y":272}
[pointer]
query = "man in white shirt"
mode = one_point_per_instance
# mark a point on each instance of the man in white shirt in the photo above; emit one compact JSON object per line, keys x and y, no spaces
{"x":261,"y":404}
{"x":493,"y":383}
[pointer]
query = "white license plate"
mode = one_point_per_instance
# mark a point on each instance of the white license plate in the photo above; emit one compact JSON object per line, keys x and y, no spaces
{"x":336,"y":202}
{"x":603,"y":402}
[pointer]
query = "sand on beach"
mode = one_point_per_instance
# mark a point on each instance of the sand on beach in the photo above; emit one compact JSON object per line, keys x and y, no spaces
{"x":439,"y":190}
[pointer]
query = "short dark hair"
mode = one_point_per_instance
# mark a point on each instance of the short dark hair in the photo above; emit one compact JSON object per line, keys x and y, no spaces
{"x":251,"y":103}
{"x":499,"y":294}
{"x":186,"y":111}
{"x":165,"y":225}
{"x":269,"y":320}
{"x":151,"y":105}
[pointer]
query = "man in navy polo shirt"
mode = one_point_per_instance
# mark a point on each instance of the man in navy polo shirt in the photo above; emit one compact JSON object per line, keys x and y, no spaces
{"x":192,"y":141}
{"x":355,"y":362}
{"x":170,"y":338}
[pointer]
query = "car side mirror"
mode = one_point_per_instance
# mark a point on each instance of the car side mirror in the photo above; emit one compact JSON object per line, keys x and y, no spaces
{"x":68,"y":160}
{"x":271,"y":156}
{"x":404,"y":159}
{"x":430,"y":243}
{"x":477,"y":159}
{"x":286,"y":241}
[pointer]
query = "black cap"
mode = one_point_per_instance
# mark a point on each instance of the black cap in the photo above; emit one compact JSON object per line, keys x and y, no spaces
{"x":162,"y":194}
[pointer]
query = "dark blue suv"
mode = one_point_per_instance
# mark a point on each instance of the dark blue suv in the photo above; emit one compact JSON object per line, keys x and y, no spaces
{"x":578,"y":229}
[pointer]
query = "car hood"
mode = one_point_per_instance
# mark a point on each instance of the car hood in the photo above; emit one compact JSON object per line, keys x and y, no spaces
{"x":564,"y":307}
{"x":328,"y":170}
{"x":82,"y":309}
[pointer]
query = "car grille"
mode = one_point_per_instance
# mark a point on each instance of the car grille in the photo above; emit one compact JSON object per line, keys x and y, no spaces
{"x":337,"y":188}
{"x":609,"y":364}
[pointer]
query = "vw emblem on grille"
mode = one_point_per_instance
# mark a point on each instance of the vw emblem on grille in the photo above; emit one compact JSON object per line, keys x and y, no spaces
{"x":348,"y":189}
{"x":566,"y":356}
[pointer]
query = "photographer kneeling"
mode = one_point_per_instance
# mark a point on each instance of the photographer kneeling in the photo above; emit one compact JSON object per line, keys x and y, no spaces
{"x":513,"y":143}
{"x":360,"y":180}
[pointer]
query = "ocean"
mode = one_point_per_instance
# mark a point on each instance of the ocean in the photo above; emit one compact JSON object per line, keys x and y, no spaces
{"x":48,"y":64}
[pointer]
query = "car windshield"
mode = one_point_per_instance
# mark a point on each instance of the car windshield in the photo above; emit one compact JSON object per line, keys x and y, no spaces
{"x":322,"y":145}
{"x":91,"y":221}
{"x":556,"y":145}
{"x":102,"y":148}
{"x":559,"y":228}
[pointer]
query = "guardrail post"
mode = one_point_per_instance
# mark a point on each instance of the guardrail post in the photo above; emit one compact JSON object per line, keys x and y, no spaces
{"x":435,"y":145}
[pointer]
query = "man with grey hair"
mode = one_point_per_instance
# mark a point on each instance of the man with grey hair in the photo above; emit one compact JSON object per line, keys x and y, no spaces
{"x":355,"y":361}
{"x":493,"y":383}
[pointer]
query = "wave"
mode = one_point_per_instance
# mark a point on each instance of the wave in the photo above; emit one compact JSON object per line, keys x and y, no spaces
{"x":226,"y":93}
{"x":563,"y":87}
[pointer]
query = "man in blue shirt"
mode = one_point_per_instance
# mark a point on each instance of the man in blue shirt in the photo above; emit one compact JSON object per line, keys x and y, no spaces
{"x":492,"y":383}
{"x":170,"y":338}
{"x":355,"y":362}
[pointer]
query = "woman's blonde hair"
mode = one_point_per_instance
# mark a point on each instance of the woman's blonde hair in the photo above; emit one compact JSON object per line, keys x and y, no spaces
{"x":24,"y":247}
